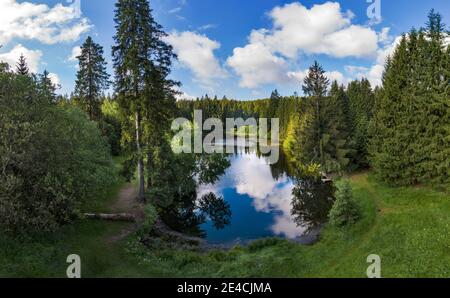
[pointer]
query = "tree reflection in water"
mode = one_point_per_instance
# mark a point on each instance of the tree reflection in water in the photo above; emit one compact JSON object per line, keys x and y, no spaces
{"x":311,"y":202}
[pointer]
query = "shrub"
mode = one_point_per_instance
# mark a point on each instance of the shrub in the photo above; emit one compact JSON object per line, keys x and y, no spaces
{"x":345,"y":210}
{"x":151,"y":215}
{"x":51,"y":158}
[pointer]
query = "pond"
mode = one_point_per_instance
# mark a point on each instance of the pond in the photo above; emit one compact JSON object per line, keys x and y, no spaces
{"x":266,"y":201}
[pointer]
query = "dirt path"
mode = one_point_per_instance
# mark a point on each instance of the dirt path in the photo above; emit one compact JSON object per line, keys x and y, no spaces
{"x":127,"y":203}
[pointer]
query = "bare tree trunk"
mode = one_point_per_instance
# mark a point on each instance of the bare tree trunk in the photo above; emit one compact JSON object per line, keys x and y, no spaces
{"x":111,"y":217}
{"x":141,"y":178}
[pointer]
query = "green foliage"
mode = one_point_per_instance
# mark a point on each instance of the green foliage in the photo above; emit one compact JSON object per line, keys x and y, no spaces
{"x":412,"y":239}
{"x":316,"y":84}
{"x":52,"y":158}
{"x":361,"y":101}
{"x":410,"y":142}
{"x":92,"y":78}
{"x":150,"y":217}
{"x":22,"y":67}
{"x":145,"y":95}
{"x":345,"y":210}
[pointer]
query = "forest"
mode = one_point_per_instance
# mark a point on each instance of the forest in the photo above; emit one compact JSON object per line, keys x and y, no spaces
{"x":379,"y":155}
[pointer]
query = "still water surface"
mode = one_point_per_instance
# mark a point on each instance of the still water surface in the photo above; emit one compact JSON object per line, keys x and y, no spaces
{"x":261,"y":197}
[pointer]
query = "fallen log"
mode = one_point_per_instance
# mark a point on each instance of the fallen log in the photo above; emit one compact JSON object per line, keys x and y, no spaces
{"x":111,"y":217}
{"x":162,"y":230}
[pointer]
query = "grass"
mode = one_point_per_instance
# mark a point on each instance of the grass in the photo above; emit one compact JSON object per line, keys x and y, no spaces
{"x":408,"y":227}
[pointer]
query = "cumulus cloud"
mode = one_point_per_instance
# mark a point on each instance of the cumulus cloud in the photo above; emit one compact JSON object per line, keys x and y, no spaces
{"x":257,"y":65}
{"x":322,"y":29}
{"x":76,"y":51}
{"x":196,"y":52}
{"x":185,"y":96}
{"x":54,"y":78}
{"x":375,"y":73}
{"x":33,"y":57}
{"x":49,"y":25}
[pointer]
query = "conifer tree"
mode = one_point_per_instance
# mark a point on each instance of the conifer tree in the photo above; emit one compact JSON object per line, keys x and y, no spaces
{"x":361,"y":100}
{"x":410,"y":132}
{"x":92,"y":78}
{"x":315,"y":86}
{"x":22,"y":67}
{"x":336,"y":147}
{"x":142,"y":62}
{"x":45,"y":86}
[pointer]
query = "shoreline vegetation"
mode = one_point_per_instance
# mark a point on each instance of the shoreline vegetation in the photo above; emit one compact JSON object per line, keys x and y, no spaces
{"x":412,"y":242}
{"x":67,"y":161}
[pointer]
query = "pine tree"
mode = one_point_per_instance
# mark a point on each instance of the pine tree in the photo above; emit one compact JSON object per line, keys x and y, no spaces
{"x":45,"y":86}
{"x":361,"y":101}
{"x":22,"y":67}
{"x":315,"y":86}
{"x":142,"y":62}
{"x":92,"y":78}
{"x":336,"y":147}
{"x":410,"y":141}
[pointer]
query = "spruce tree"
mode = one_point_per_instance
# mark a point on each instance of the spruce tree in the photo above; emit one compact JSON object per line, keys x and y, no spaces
{"x":315,"y":86}
{"x":410,"y":132}
{"x":92,"y":78}
{"x":45,"y":87}
{"x":361,"y":101}
{"x":142,"y":62}
{"x":22,"y":67}
{"x":335,"y":138}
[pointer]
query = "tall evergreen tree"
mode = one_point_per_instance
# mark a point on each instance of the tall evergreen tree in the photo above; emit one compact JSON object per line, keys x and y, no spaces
{"x":22,"y":67}
{"x":335,"y":138}
{"x":315,"y":86}
{"x":410,"y":141}
{"x":92,"y":78}
{"x":142,"y":62}
{"x":45,"y":86}
{"x":361,"y":100}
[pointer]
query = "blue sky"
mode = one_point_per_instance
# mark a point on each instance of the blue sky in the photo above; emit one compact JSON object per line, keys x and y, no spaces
{"x":241,"y":49}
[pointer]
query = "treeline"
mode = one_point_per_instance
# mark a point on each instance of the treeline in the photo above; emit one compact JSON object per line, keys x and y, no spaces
{"x":401,"y":129}
{"x":329,"y":127}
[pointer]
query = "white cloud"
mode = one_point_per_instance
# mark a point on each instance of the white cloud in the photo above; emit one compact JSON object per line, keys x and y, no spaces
{"x":206,"y":27}
{"x":256,"y":65}
{"x":175,"y":10}
{"x":33,"y":57}
{"x":185,"y":96}
{"x":54,"y":78}
{"x":322,"y":29}
{"x":40,"y":22}
{"x":196,"y":52}
{"x":76,"y":51}
{"x":375,"y":73}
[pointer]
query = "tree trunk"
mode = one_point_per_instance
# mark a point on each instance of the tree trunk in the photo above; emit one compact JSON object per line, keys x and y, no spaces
{"x":111,"y":217}
{"x":141,"y":178}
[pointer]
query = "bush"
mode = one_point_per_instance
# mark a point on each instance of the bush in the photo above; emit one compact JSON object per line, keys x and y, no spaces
{"x":51,"y":158}
{"x":345,"y":210}
{"x":150,"y":217}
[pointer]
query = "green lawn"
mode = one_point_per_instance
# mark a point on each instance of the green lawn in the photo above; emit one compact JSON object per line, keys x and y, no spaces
{"x":408,"y":227}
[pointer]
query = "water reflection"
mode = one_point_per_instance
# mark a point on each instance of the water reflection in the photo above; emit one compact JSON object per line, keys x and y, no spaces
{"x":266,"y":200}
